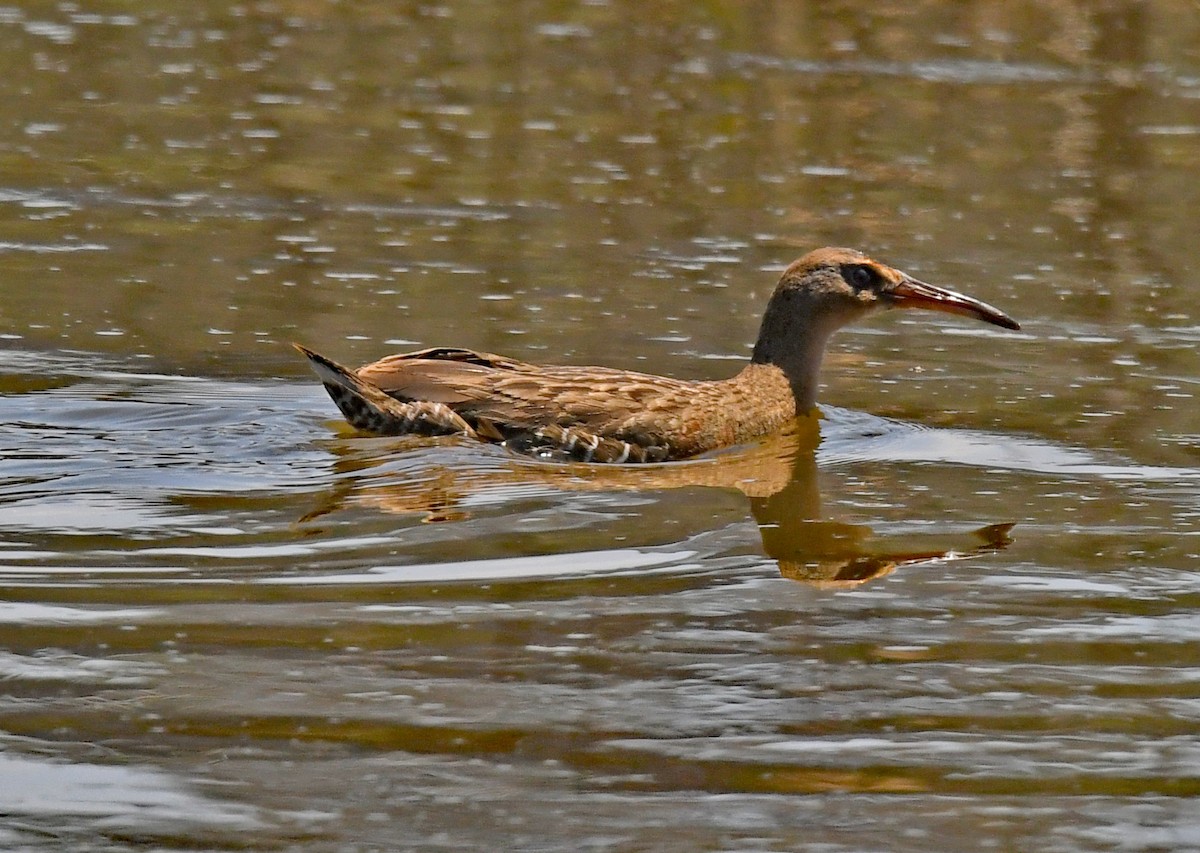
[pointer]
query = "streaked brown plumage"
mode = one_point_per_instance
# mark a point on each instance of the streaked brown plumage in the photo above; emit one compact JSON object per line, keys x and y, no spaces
{"x":599,"y":414}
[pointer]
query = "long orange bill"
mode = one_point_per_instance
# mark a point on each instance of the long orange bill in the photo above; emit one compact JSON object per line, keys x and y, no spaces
{"x":910,"y":293}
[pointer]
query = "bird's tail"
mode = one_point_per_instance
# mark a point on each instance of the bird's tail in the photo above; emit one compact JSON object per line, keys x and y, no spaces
{"x":370,"y":408}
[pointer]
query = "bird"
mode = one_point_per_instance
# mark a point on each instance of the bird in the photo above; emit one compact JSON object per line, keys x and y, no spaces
{"x":602,"y":414}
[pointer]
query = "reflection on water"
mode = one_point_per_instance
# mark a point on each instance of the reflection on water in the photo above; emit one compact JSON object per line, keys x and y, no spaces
{"x":778,"y":474}
{"x":227,"y":624}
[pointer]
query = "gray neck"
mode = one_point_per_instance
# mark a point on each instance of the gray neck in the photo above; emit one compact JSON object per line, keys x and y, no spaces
{"x":793,"y":337}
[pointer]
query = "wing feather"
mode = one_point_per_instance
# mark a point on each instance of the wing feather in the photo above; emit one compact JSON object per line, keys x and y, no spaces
{"x":512,"y":396}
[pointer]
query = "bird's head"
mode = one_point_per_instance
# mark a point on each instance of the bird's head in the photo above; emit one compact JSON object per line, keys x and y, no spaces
{"x":836,"y":286}
{"x":828,"y":288}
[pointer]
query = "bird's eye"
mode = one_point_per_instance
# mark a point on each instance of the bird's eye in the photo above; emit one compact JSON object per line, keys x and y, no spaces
{"x":859,"y":276}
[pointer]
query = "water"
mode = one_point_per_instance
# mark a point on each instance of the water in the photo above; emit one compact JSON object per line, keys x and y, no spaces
{"x":960,"y":612}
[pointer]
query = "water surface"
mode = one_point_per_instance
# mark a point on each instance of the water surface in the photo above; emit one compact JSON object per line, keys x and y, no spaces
{"x":959,"y":612}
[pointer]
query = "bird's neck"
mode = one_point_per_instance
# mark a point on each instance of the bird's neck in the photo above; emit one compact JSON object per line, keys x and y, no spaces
{"x":793,"y":339}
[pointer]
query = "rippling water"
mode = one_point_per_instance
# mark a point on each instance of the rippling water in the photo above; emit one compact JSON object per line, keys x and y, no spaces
{"x":959,"y":612}
{"x":223,"y":621}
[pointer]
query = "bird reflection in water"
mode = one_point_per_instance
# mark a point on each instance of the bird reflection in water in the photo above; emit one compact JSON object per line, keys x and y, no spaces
{"x":778,"y":474}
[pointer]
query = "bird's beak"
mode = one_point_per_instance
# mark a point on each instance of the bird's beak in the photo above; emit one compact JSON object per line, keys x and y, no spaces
{"x":910,"y":293}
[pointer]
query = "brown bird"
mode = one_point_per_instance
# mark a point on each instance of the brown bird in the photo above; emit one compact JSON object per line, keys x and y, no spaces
{"x":599,"y":414}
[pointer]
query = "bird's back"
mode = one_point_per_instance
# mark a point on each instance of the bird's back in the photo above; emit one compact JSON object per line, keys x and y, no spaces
{"x":509,"y":400}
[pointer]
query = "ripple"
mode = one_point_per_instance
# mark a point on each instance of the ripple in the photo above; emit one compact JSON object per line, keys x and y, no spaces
{"x":52,"y":248}
{"x":551,"y":565}
{"x":967,"y":71}
{"x":850,"y":437}
{"x":127,"y":798}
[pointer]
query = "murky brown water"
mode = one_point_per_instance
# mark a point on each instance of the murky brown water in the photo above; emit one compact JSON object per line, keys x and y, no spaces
{"x":964,"y":616}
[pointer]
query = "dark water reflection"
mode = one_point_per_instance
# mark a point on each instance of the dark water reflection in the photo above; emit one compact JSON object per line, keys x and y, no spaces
{"x":963,"y":614}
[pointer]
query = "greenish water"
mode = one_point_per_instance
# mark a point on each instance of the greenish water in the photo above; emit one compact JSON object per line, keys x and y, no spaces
{"x":963,"y":616}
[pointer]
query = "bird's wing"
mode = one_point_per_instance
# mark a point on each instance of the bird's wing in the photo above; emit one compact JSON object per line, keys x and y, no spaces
{"x":514,"y":395}
{"x":440,"y":375}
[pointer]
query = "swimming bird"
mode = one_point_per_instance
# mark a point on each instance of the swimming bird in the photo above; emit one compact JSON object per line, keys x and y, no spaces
{"x":600,"y":414}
